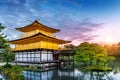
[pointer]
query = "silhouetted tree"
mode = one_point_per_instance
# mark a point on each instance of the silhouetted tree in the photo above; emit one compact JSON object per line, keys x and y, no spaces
{"x":70,"y":46}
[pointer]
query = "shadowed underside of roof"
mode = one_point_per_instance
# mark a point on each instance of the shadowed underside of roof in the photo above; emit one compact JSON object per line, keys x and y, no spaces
{"x":65,"y":52}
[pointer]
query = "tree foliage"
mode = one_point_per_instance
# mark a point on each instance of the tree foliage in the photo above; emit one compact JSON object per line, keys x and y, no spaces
{"x":5,"y":52}
{"x":12,"y":73}
{"x":113,"y":50}
{"x":117,"y":51}
{"x":3,"y":41}
{"x":70,"y":46}
{"x":92,"y":55}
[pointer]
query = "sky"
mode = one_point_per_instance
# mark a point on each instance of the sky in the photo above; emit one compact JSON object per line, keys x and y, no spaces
{"x":79,"y":20}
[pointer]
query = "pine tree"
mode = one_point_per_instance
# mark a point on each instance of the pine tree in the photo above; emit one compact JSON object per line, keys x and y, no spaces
{"x":5,"y":52}
{"x":3,"y":42}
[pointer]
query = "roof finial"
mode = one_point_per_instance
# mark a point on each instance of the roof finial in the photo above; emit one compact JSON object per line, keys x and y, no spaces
{"x":37,"y":19}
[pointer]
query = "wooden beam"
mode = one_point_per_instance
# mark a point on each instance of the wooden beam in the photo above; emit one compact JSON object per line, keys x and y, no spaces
{"x":27,"y":56}
{"x":40,"y":55}
{"x":47,"y":55}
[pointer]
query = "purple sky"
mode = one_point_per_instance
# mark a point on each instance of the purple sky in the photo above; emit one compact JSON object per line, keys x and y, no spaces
{"x":78,"y":20}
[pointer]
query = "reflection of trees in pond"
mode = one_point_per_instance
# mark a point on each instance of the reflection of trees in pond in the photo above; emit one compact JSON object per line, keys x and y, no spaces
{"x":81,"y":75}
{"x":115,"y":65}
{"x":97,"y":76}
{"x":92,"y":75}
{"x":116,"y":70}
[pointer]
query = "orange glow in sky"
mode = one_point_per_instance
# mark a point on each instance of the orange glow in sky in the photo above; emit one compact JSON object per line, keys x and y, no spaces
{"x":109,"y":41}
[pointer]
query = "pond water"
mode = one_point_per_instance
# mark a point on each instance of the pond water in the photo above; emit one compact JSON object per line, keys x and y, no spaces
{"x":69,"y":74}
{"x":75,"y":74}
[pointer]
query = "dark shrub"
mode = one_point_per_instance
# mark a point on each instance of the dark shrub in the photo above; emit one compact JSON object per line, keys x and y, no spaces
{"x":8,"y":66}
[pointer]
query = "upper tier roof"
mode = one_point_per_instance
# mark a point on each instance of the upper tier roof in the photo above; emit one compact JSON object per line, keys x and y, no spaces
{"x":37,"y":37}
{"x":37,"y":25}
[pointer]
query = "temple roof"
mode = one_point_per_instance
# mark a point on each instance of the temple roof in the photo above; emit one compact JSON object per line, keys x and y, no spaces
{"x":38,"y":37}
{"x":37,"y":25}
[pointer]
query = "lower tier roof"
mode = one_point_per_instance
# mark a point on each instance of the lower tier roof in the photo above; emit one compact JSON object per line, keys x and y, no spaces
{"x":38,"y":37}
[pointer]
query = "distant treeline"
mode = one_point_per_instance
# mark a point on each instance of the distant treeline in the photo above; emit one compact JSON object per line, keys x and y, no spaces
{"x":112,"y":49}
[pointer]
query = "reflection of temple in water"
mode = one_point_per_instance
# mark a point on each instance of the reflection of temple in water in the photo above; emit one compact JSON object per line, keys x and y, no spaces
{"x":52,"y":74}
{"x":31,"y":75}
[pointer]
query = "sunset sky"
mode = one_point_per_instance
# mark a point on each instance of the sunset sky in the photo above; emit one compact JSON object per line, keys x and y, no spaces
{"x":79,"y":20}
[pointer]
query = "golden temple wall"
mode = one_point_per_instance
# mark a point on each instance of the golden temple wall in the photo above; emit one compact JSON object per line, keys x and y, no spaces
{"x":40,"y":44}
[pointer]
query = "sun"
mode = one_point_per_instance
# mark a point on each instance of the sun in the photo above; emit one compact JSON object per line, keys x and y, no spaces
{"x":109,"y":41}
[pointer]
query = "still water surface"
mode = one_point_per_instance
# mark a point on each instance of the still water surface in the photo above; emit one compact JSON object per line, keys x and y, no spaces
{"x":75,"y":74}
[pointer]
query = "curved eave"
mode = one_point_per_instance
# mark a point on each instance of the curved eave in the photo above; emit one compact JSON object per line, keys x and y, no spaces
{"x":38,"y":37}
{"x":30,"y":27}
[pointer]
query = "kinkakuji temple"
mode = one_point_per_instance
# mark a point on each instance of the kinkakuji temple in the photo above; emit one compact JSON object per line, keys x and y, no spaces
{"x":39,"y":45}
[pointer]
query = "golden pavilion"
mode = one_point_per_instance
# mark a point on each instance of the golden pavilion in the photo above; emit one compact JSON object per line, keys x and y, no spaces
{"x":39,"y":45}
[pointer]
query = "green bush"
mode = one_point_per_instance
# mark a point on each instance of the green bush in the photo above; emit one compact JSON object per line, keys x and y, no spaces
{"x":17,"y":77}
{"x":7,"y":66}
{"x":13,"y":73}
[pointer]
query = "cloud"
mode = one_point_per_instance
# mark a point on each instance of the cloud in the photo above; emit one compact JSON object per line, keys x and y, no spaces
{"x":16,"y":13}
{"x":79,"y":30}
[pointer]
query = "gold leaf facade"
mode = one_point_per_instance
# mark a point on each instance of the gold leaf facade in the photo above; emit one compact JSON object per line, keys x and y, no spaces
{"x":37,"y":36}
